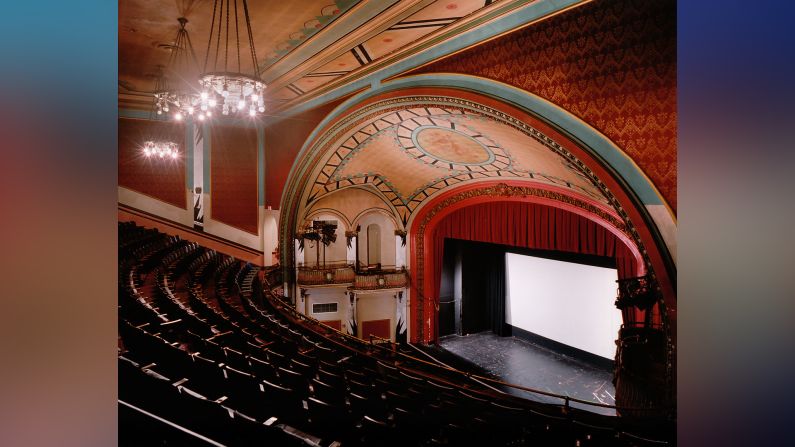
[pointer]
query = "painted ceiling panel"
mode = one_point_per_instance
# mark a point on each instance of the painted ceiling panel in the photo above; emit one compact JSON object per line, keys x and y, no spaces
{"x":412,"y":153}
{"x":382,"y":156}
{"x":343,"y":63}
{"x":147,"y":30}
{"x":146,"y":27}
{"x":391,"y":40}
{"x":309,"y":83}
{"x":283,"y":94}
{"x":429,"y":19}
{"x":446,"y":10}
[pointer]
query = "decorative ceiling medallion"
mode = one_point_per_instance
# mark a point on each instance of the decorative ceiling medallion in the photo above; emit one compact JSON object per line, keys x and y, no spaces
{"x":449,"y":144}
{"x":446,"y":144}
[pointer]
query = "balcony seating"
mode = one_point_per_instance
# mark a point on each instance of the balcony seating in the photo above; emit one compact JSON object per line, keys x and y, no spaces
{"x":201,"y":349}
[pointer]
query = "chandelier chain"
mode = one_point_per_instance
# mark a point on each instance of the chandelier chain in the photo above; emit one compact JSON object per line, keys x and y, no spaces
{"x":251,"y":41}
{"x":218,"y":40}
{"x":237,"y":32}
{"x":224,"y":91}
{"x":190,"y":47}
{"x":209,"y":41}
{"x":226,"y":43}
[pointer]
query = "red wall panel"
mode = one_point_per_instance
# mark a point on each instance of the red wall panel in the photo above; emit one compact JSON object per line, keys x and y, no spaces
{"x":233,"y":176}
{"x":335,"y":324}
{"x":379,"y":328}
{"x":162,"y":179}
{"x":283,"y":140}
{"x":611,"y":62}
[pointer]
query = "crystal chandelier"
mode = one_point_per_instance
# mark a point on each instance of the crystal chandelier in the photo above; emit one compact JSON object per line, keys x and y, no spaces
{"x":161,"y":149}
{"x":234,"y":91}
{"x":179,"y":95}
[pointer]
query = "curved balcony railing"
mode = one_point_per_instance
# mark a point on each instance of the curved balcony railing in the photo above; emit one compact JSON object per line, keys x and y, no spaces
{"x":382,"y":280}
{"x":343,"y":274}
{"x":328,"y":275}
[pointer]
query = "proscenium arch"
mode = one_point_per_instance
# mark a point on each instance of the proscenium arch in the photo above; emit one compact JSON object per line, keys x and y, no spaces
{"x":632,"y":191}
{"x":423,"y":311}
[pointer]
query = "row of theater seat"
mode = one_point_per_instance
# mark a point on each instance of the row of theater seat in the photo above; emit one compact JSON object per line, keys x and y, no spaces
{"x":241,"y":371}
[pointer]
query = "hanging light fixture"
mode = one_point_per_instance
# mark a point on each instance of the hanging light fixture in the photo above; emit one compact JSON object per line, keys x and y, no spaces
{"x":161,"y":104}
{"x":161,"y":149}
{"x":174,"y":91}
{"x":233,"y":91}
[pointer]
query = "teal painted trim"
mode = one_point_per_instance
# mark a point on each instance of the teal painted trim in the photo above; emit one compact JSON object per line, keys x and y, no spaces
{"x":189,"y":155}
{"x":506,"y":23}
{"x":592,"y":140}
{"x":261,"y":164}
{"x":206,"y":133}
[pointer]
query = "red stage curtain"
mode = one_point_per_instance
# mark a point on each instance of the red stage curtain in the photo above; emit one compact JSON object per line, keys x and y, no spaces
{"x":529,"y":225}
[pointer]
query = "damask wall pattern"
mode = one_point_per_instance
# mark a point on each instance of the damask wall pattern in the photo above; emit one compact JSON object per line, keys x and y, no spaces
{"x":233,"y":179}
{"x":611,"y":62}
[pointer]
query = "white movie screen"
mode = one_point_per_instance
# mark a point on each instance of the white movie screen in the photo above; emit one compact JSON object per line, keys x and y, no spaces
{"x":566,"y":302}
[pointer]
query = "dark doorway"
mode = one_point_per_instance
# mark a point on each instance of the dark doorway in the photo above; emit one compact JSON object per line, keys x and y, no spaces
{"x":482,"y":288}
{"x":472,"y":288}
{"x":450,"y":290}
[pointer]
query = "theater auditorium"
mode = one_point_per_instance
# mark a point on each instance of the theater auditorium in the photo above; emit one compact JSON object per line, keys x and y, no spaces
{"x":397,"y":222}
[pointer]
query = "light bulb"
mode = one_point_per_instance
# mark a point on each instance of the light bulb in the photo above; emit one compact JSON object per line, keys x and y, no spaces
{"x":201,"y":117}
{"x":204,"y":95}
{"x":209,"y":114}
{"x":190,"y":110}
{"x":178,"y":116}
{"x":174,"y":155}
{"x":261,"y":109}
{"x":165,"y":109}
{"x":212,"y":102}
{"x":241,"y":104}
{"x":204,"y":107}
{"x":254,"y":97}
{"x":252,"y":112}
{"x":162,"y":154}
{"x":147,"y":152}
{"x":224,"y":93}
{"x":159,"y":112}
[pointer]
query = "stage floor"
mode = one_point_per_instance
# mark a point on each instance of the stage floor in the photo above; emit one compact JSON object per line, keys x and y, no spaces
{"x":521,"y":362}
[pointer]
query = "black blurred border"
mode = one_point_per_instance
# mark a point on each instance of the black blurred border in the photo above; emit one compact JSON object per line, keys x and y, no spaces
{"x":58,"y":121}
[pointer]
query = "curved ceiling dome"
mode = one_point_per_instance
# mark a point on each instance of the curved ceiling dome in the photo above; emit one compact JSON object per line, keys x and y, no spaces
{"x":410,"y":152}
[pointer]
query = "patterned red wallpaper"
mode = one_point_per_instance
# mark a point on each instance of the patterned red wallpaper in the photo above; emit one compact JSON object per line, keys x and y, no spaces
{"x":610,"y":62}
{"x":283,"y":139}
{"x":161,"y":179}
{"x":233,"y":187}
